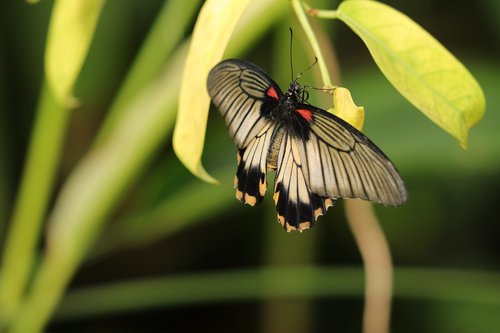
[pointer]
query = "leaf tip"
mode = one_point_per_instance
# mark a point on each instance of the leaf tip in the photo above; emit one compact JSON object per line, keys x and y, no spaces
{"x":463,"y":139}
{"x":187,"y":158}
{"x":205,"y":176}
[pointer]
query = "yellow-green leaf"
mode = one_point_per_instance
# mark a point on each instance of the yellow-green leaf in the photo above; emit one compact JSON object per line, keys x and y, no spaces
{"x":213,"y":28}
{"x":418,"y":66}
{"x":71,"y":29}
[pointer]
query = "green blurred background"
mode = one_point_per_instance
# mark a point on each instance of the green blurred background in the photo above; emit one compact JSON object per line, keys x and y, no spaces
{"x":444,"y":241}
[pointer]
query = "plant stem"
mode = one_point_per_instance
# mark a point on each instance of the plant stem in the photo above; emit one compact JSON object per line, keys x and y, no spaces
{"x":362,"y":220}
{"x":35,"y":191}
{"x":376,"y":256}
{"x":93,"y":189}
{"x":325,"y":14}
{"x":304,"y":22}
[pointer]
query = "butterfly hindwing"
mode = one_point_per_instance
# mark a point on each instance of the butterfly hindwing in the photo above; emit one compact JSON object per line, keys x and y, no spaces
{"x":250,"y":180}
{"x":297,"y":206}
{"x":341,"y":162}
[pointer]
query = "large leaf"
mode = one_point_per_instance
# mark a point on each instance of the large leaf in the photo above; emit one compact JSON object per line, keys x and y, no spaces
{"x":216,"y":22}
{"x":71,"y":29}
{"x":418,"y":66}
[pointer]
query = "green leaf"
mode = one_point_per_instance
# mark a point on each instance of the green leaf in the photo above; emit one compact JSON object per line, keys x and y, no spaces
{"x":417,"y":65}
{"x":71,"y":29}
{"x":213,"y":28}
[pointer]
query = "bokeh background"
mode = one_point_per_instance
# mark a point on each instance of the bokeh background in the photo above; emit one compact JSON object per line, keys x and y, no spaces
{"x":169,"y":225}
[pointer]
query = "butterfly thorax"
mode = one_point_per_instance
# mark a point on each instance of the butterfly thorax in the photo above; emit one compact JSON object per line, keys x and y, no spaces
{"x":288,"y":104}
{"x":293,"y":93}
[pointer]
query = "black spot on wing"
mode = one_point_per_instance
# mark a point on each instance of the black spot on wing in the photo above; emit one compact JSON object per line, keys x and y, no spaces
{"x":319,"y":205}
{"x":250,"y":182}
{"x":299,"y":215}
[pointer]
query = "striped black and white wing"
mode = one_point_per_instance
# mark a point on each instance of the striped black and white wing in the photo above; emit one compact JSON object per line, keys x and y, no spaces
{"x":323,"y":158}
{"x":341,"y":162}
{"x":297,"y":206}
{"x":245,"y":96}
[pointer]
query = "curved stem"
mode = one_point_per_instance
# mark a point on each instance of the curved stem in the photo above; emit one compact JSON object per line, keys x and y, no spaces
{"x":31,"y":204}
{"x":377,"y":260}
{"x":325,"y":14}
{"x":363,"y":222}
{"x":304,"y":22}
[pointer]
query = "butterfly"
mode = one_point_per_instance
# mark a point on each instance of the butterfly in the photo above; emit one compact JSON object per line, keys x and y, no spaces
{"x":317,"y":157}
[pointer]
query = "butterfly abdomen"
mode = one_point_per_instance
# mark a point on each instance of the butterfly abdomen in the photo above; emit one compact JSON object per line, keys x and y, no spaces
{"x":272,"y":154}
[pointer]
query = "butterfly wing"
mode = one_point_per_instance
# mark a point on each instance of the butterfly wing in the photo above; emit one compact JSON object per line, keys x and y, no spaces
{"x":245,"y":96}
{"x":250,"y":180}
{"x":298,"y":207}
{"x":341,"y":162}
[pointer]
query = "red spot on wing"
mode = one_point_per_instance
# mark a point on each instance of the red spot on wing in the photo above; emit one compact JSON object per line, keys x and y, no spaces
{"x":271,"y":92}
{"x":304,"y":113}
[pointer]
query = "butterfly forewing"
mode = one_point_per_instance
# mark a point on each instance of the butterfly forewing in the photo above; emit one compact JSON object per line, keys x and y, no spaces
{"x":240,"y":90}
{"x":340,"y":162}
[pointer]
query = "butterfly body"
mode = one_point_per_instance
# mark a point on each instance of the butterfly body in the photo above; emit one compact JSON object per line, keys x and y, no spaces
{"x":286,"y":113}
{"x":317,"y":156}
{"x":272,"y":154}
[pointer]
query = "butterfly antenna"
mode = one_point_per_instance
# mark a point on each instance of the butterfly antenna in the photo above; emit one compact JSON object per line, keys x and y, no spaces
{"x":291,"y":49}
{"x":308,"y":68}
